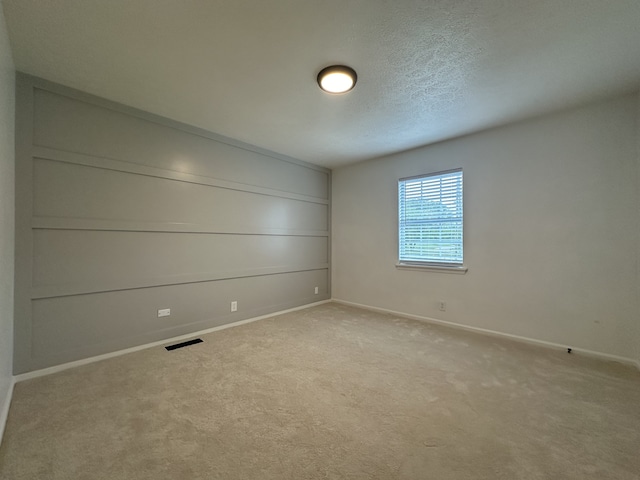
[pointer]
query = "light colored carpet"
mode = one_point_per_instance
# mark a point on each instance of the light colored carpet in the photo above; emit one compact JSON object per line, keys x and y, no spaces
{"x":331,"y":392}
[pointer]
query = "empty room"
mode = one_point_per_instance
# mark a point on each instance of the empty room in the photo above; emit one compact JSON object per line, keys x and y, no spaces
{"x":297,"y":239}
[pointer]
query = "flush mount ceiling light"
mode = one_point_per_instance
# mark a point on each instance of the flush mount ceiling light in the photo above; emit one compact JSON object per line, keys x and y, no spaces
{"x":337,"y":79}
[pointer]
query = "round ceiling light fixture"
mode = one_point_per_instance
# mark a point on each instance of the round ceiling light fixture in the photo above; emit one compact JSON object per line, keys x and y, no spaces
{"x":337,"y":79}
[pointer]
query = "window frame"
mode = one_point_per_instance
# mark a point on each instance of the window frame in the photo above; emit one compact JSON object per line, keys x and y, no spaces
{"x":442,"y":267}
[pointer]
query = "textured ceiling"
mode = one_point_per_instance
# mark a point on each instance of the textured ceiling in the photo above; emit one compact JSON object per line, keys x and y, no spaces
{"x":428,"y":70}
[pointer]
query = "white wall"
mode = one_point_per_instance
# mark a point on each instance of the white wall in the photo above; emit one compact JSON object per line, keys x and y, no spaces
{"x":7,"y":102}
{"x":551,"y":230}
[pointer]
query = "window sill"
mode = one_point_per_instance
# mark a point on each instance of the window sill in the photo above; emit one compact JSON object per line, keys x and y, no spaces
{"x":432,"y":268}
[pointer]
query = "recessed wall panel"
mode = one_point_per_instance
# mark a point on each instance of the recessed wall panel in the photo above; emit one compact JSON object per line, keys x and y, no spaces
{"x":75,"y":257}
{"x":65,"y":190}
{"x":70,"y":328}
{"x":73,"y":125}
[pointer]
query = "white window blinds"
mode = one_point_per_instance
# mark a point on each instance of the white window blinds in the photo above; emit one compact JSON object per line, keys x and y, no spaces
{"x":430,"y":218}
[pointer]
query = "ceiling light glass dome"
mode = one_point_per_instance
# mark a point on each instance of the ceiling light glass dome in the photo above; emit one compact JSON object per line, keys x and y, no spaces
{"x":337,"y":79}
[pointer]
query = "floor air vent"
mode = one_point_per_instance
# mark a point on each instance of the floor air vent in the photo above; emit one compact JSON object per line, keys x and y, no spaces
{"x":183,"y":344}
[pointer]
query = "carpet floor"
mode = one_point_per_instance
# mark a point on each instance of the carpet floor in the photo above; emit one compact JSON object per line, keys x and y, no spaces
{"x":330,"y":392}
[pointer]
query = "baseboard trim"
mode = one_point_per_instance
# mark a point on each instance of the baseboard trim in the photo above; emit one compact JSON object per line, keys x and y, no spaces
{"x":85,"y":361}
{"x":494,"y":333}
{"x":4,"y":409}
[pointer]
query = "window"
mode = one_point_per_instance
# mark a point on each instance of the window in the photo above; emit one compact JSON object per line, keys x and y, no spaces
{"x":430,"y":220}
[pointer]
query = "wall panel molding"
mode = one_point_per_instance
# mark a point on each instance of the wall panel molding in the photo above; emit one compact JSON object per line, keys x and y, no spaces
{"x":67,"y":223}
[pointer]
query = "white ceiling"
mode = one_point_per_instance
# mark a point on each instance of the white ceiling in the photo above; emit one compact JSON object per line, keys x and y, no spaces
{"x":428,"y":69}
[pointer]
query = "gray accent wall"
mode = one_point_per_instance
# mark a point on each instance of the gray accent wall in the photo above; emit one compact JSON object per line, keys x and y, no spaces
{"x":7,"y":156}
{"x":122,"y":213}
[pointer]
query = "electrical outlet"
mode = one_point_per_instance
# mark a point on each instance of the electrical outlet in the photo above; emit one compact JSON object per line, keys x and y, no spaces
{"x":165,"y":312}
{"x":316,"y":291}
{"x":234,"y":306}
{"x":442,"y":306}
